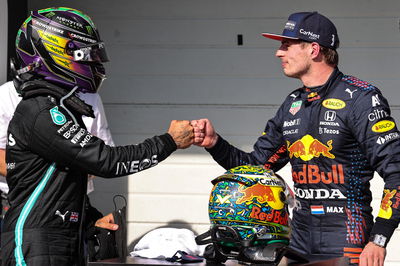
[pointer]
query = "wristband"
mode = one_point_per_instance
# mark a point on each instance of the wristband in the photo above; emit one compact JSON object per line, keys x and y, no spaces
{"x":379,"y":240}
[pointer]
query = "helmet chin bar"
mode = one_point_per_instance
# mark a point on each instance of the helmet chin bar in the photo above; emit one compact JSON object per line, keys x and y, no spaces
{"x":227,"y":244}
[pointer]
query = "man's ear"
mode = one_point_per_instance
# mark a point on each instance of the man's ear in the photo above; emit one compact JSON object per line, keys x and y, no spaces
{"x":315,"y":50}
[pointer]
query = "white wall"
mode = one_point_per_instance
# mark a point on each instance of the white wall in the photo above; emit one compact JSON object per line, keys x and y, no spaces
{"x":3,"y":40}
{"x":178,"y":59}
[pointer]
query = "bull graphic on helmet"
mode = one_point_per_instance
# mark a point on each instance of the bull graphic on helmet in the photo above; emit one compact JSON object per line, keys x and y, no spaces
{"x":248,"y":210}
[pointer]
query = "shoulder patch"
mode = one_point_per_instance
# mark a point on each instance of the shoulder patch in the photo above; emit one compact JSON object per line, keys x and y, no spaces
{"x":57,"y":117}
{"x":358,"y":83}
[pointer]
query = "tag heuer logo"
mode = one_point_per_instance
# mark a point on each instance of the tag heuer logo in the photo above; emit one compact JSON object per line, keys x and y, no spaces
{"x":295,"y":107}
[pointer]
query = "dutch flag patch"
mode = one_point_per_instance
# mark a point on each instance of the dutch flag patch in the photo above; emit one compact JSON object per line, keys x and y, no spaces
{"x":317,"y":209}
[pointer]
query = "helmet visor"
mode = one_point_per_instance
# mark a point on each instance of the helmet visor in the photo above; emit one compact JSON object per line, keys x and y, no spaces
{"x":91,"y":53}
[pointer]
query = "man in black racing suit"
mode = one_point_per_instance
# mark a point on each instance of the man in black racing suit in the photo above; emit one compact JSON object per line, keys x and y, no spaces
{"x":335,"y":131}
{"x":50,"y":153}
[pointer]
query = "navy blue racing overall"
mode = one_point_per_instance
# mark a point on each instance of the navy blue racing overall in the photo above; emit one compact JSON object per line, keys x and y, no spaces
{"x":334,"y":136}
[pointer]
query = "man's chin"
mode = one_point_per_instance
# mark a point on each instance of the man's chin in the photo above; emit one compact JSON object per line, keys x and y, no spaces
{"x":290,"y":75}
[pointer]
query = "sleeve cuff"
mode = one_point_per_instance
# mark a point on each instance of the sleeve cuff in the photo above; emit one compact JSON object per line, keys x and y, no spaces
{"x":169,"y":142}
{"x":219,"y":150}
{"x":217,"y":146}
{"x":384,"y":227}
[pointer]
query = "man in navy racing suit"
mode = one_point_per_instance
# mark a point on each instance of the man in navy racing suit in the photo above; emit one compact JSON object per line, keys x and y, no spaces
{"x":49,"y":152}
{"x":335,"y":131}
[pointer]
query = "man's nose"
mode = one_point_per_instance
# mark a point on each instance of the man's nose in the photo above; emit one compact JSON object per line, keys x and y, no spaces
{"x":279,"y":52}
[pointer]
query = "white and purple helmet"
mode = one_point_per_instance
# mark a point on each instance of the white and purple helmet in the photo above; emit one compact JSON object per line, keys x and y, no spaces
{"x":62,"y":46}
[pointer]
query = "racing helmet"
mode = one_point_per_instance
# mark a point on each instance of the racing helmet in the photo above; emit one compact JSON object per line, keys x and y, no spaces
{"x":62,"y":46}
{"x":248,"y":211}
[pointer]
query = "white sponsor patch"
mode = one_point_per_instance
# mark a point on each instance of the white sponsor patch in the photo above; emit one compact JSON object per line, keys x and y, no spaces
{"x":319,"y":193}
{"x":131,"y":167}
{"x":391,"y":136}
{"x":290,"y":132}
{"x":377,"y":114}
{"x":334,"y":209}
{"x":11,"y":141}
{"x":324,"y":130}
{"x":290,"y":123}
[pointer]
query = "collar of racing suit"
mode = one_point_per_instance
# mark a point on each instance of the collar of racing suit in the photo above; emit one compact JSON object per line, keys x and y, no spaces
{"x":36,"y":87}
{"x":319,"y":92}
{"x":309,"y":95}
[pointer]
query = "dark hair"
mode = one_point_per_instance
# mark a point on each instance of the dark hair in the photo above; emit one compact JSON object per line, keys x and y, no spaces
{"x":331,"y":56}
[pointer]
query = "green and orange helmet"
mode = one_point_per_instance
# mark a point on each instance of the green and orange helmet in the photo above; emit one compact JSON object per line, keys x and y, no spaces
{"x":62,"y":46}
{"x":248,"y":211}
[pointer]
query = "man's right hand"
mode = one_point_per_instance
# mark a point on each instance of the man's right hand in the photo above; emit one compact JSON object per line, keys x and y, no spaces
{"x":204,"y":133}
{"x":182,"y":133}
{"x":107,"y":222}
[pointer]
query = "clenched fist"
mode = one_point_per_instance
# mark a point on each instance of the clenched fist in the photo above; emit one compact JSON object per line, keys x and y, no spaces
{"x":182,"y":133}
{"x":204,"y":133}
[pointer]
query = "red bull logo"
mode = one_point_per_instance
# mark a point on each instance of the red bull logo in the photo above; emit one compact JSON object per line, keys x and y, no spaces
{"x":307,"y":148}
{"x":275,"y":216}
{"x":386,"y":203}
{"x":263,"y":194}
{"x":313,"y":96}
{"x":311,"y":174}
{"x":397,"y":204}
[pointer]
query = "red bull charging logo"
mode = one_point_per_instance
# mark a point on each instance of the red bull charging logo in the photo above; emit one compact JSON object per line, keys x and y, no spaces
{"x":385,"y":211}
{"x":307,"y":148}
{"x":263,"y":194}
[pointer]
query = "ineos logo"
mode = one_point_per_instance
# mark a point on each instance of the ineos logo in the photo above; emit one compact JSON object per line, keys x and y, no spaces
{"x":11,"y":140}
{"x":330,"y":116}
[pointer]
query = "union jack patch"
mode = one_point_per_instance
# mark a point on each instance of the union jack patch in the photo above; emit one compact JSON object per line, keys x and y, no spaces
{"x":74,"y":217}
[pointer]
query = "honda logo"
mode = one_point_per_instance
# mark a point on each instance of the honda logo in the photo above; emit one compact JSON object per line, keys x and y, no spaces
{"x":330,"y":116}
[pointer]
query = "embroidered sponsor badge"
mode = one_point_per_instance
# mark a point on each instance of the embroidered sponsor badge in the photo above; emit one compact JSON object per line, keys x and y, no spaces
{"x":383,"y":126}
{"x":385,"y":211}
{"x":391,"y":136}
{"x":335,"y":104}
{"x":313,"y":96}
{"x":295,"y":107}
{"x":74,"y":217}
{"x":57,"y":117}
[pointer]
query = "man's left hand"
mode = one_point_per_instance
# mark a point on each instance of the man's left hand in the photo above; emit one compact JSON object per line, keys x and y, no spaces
{"x":107,"y":222}
{"x":372,"y":255}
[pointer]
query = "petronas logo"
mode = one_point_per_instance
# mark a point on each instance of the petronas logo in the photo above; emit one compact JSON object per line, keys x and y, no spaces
{"x":57,"y":117}
{"x":89,"y":30}
{"x":50,"y":14}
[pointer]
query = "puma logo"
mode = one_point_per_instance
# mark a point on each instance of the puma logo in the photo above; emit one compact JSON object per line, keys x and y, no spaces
{"x":61,"y":215}
{"x":350,"y":92}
